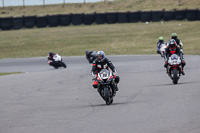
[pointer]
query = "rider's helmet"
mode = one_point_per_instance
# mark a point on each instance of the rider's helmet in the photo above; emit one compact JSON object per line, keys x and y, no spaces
{"x":172,"y":44}
{"x":174,"y":36}
{"x":161,"y":39}
{"x":100,"y":56}
{"x":51,"y":54}
{"x":87,"y":52}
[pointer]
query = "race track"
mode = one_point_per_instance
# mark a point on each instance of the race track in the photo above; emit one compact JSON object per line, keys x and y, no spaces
{"x":46,"y":100}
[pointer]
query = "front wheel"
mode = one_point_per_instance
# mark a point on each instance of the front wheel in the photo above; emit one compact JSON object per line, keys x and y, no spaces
{"x":106,"y":96}
{"x":63,"y":64}
{"x":175,"y":76}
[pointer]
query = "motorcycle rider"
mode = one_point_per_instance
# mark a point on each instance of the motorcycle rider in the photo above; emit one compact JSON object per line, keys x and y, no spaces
{"x":51,"y":61}
{"x":90,"y":55}
{"x":178,"y":41}
{"x":160,"y":41}
{"x":173,"y":49}
{"x":100,"y":63}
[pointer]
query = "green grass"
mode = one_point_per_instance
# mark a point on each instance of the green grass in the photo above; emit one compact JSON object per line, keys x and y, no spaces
{"x":9,"y":73}
{"x":131,"y":38}
{"x":117,"y":5}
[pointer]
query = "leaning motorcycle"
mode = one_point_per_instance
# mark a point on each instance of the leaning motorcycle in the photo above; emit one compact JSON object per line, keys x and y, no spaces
{"x":174,"y":68}
{"x":91,"y":57}
{"x":106,"y":85}
{"x":57,"y":62}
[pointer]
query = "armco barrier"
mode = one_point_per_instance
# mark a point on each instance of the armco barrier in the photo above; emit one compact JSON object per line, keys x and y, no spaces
{"x":53,"y":20}
{"x":198,"y":14}
{"x":146,"y":16}
{"x":168,"y":15}
{"x":100,"y":18}
{"x":191,"y":15}
{"x":17,"y":23}
{"x":88,"y":19}
{"x":6,"y":23}
{"x":111,"y":18}
{"x":134,"y":16}
{"x":180,"y":14}
{"x":122,"y":17}
{"x":29,"y":21}
{"x":77,"y":19}
{"x":156,"y":15}
{"x":41,"y":21}
{"x":65,"y":20}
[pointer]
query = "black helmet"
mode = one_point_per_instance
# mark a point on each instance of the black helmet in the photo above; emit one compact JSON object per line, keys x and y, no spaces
{"x":174,"y":36}
{"x":51,"y":53}
{"x":172,"y":44}
{"x":87,"y":52}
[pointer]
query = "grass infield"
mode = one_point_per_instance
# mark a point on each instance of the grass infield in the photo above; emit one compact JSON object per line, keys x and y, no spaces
{"x":108,"y":6}
{"x":9,"y":73}
{"x":114,"y":39}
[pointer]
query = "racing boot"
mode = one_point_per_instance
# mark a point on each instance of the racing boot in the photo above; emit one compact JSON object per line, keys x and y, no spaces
{"x":116,"y":87}
{"x":183,"y":73}
{"x":95,"y":84}
{"x":167,"y":71}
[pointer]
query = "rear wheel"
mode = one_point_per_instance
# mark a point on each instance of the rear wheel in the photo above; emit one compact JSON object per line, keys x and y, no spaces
{"x":64,"y":65}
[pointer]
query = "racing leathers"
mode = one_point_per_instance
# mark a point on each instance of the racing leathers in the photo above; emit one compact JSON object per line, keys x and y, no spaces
{"x":105,"y":64}
{"x":179,"y":43}
{"x":51,"y":61}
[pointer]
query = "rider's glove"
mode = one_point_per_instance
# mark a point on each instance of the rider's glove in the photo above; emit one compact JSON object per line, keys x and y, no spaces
{"x":94,"y":75}
{"x":115,"y":72}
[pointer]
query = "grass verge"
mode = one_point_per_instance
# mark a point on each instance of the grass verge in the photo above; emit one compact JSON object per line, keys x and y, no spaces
{"x":114,"y":39}
{"x":9,"y":73}
{"x":117,"y":5}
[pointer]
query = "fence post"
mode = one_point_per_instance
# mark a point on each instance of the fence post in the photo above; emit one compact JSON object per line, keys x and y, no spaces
{"x":44,"y":3}
{"x":23,"y":3}
{"x":3,"y":3}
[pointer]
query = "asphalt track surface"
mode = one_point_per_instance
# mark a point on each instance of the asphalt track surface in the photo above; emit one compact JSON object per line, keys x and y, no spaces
{"x":46,"y":100}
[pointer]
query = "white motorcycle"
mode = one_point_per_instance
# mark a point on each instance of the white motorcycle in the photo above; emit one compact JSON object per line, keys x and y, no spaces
{"x":57,"y":61}
{"x":163,"y":46}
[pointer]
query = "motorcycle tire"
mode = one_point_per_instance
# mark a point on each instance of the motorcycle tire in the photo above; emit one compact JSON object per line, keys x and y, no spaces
{"x":111,"y":101}
{"x":63,"y":64}
{"x":175,"y":76}
{"x":55,"y":66}
{"x":106,"y":96}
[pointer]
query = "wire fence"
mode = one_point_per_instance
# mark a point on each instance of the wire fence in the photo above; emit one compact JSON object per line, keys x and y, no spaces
{"x":25,"y":3}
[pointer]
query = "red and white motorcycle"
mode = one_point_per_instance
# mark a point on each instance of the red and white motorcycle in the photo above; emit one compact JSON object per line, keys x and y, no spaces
{"x":174,"y":68}
{"x":106,"y":85}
